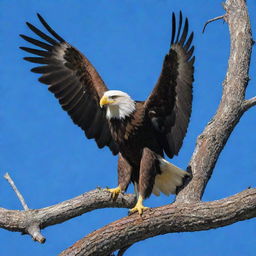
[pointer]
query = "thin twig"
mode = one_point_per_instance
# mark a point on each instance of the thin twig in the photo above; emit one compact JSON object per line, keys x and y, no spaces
{"x":19,"y":195}
{"x":32,"y":229}
{"x":249,"y":103}
{"x":214,"y":19}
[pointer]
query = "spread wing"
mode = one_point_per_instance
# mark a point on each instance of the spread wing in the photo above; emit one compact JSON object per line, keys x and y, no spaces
{"x":74,"y":82}
{"x":169,"y":105}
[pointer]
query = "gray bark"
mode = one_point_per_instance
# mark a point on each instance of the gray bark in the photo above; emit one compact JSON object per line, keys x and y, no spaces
{"x":172,"y":218}
{"x":31,"y":221}
{"x":232,"y":106}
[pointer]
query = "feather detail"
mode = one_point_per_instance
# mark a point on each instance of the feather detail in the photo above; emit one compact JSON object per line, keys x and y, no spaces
{"x":170,"y":178}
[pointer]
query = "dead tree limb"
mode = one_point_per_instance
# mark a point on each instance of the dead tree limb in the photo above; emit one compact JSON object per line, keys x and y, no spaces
{"x":172,"y":218}
{"x":32,"y":227}
{"x":211,"y":20}
{"x":231,"y":108}
{"x":17,"y":192}
{"x":27,"y":221}
{"x":188,"y":213}
{"x":249,"y":103}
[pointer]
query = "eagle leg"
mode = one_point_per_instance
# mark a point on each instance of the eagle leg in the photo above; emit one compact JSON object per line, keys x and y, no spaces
{"x":124,"y":173}
{"x":148,"y":170}
{"x":139,"y":207}
{"x":124,"y":177}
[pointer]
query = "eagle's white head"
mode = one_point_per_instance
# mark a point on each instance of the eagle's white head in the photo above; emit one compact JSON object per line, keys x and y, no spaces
{"x":118,"y":104}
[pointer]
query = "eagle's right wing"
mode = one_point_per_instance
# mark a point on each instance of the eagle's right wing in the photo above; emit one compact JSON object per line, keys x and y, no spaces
{"x":170,"y":103}
{"x":74,"y":82}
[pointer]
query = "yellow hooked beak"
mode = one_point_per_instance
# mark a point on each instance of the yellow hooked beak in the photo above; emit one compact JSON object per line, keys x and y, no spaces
{"x":105,"y":101}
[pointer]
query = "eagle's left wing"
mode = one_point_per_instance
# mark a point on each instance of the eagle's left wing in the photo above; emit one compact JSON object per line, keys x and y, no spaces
{"x":74,"y":82}
{"x":169,"y":105}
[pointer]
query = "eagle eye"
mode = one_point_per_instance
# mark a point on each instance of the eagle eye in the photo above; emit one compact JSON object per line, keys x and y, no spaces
{"x":113,"y":97}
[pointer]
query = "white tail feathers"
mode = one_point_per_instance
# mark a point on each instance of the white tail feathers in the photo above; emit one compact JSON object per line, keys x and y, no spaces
{"x":170,"y":178}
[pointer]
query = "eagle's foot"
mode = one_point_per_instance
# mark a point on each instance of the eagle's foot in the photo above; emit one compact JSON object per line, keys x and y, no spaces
{"x":139,"y":207}
{"x":114,"y":192}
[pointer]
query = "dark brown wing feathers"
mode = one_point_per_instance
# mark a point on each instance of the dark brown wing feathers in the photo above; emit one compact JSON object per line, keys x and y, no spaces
{"x":73,"y":80}
{"x":169,"y":105}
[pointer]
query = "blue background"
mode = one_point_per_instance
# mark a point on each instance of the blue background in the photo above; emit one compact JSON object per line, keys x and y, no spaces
{"x":49,"y":158}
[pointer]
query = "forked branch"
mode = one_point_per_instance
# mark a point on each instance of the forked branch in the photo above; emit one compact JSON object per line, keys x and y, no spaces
{"x":231,"y":108}
{"x":31,"y":221}
{"x":31,"y":227}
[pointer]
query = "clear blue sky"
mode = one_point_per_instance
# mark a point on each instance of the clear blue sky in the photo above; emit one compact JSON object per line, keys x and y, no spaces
{"x":50,"y":159}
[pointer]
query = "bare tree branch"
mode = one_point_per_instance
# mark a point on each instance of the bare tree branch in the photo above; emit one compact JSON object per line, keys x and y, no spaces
{"x":211,"y":20}
{"x":32,"y":227}
{"x":249,"y":103}
{"x":211,"y":142}
{"x":34,"y":230}
{"x":28,"y":222}
{"x":17,"y":192}
{"x":171,"y":218}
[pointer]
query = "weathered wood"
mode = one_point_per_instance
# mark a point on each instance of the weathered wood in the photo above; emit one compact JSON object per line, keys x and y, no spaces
{"x":22,"y":221}
{"x":171,"y":218}
{"x":231,"y":108}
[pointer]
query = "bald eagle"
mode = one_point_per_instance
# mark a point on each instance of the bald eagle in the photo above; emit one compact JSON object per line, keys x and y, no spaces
{"x":140,"y":132}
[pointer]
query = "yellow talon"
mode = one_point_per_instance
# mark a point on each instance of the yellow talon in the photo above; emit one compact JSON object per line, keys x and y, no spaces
{"x":139,"y":207}
{"x":114,"y":192}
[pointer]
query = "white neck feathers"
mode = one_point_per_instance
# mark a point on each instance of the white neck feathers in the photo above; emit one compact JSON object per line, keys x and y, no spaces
{"x":121,"y":106}
{"x":121,"y":110}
